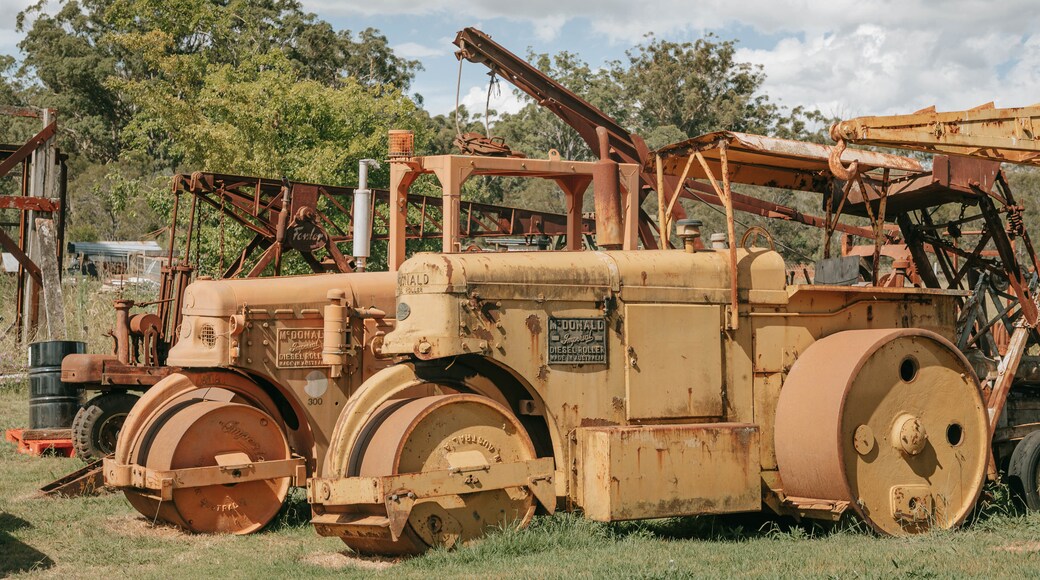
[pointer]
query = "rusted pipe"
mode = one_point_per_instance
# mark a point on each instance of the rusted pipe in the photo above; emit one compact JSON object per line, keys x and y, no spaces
{"x":334,"y":335}
{"x":370,"y":312}
{"x":662,"y":221}
{"x":607,"y":197}
{"x":121,"y":333}
{"x":173,"y":224}
{"x":689,"y":231}
{"x":283,"y":224}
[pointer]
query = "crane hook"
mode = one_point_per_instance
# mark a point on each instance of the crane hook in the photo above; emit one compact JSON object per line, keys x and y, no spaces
{"x":834,"y":163}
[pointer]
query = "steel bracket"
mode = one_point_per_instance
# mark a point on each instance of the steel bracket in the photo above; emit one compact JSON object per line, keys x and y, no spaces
{"x":399,"y":493}
{"x":162,"y":483}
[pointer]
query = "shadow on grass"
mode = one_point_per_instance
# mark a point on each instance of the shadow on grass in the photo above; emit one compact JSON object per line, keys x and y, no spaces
{"x":737,"y":528}
{"x":571,"y":533}
{"x":295,"y":512}
{"x":17,"y":555}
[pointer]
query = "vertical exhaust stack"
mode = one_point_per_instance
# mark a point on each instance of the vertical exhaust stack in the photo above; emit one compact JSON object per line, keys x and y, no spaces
{"x":363,"y":215}
{"x":689,"y":231}
{"x":606,"y":188}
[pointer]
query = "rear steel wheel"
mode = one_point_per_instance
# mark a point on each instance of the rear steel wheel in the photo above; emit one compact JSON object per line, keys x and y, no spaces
{"x":890,"y":421}
{"x":196,"y":432}
{"x":437,"y":433}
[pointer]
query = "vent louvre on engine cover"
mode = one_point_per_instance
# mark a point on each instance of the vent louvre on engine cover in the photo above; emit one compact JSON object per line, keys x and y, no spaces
{"x":208,"y":335}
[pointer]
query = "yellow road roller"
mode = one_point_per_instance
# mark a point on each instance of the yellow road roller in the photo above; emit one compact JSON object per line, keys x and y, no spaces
{"x":629,"y":385}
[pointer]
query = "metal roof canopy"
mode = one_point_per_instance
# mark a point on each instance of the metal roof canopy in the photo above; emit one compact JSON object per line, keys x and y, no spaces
{"x":773,"y":162}
{"x":116,"y":249}
{"x":802,"y":166}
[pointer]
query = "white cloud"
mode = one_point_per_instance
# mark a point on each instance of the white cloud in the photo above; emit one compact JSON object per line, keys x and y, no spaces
{"x":843,"y":56}
{"x":503,"y":100}
{"x":847,"y":57}
{"x":416,"y":50}
{"x":9,"y":37}
{"x":624,"y":20}
{"x":876,"y":70}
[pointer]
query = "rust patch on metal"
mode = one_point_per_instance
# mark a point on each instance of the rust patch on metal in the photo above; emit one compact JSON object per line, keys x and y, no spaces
{"x":543,"y":372}
{"x":447,"y":269}
{"x":534,"y":324}
{"x":589,"y":422}
{"x":483,"y":334}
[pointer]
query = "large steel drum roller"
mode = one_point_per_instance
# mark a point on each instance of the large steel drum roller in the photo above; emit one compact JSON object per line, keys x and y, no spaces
{"x":890,"y":421}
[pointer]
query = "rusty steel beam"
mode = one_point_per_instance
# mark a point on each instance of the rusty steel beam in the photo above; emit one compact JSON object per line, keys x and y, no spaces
{"x":12,"y":247}
{"x":477,"y":47}
{"x":27,"y":112}
{"x":256,"y":204}
{"x":25,"y":203}
{"x":27,"y":149}
{"x":245,"y":194}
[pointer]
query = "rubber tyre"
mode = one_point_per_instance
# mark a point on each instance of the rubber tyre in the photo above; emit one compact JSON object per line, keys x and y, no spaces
{"x":1024,"y":471}
{"x":97,"y":424}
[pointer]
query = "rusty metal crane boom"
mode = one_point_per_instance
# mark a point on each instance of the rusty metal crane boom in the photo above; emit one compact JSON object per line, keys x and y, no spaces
{"x":584,"y":117}
{"x":477,"y":47}
{"x":1007,"y":135}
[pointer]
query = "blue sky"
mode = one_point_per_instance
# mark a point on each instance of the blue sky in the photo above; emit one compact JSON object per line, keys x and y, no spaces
{"x":846,"y":57}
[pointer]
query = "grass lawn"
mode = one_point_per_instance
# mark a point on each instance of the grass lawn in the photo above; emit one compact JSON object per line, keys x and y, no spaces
{"x":104,"y":537}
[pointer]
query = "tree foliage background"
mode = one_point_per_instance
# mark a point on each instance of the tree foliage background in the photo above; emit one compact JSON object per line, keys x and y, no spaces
{"x":149,"y":88}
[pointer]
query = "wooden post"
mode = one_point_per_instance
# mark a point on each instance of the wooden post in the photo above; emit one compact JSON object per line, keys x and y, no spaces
{"x":53,"y":301}
{"x":42,"y":174}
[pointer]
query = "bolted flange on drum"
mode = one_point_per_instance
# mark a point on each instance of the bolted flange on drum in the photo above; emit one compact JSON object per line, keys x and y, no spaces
{"x":52,"y":403}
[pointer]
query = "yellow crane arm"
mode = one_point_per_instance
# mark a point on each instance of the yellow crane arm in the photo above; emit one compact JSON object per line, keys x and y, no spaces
{"x":1006,"y":135}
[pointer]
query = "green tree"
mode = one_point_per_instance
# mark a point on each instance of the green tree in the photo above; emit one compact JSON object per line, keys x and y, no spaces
{"x":259,"y":117}
{"x":76,"y":52}
{"x":697,"y":87}
{"x":535,"y":130}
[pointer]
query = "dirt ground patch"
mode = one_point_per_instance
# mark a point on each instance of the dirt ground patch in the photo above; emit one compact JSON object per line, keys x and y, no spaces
{"x":1021,"y":547}
{"x":137,"y":526}
{"x":342,"y":560}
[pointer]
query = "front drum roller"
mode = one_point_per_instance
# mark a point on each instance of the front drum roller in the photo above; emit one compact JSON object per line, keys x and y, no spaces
{"x":203,"y":433}
{"x":434,"y":433}
{"x":889,"y":421}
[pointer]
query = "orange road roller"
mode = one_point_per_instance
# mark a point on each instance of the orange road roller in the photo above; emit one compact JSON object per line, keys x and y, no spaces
{"x":267,"y":367}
